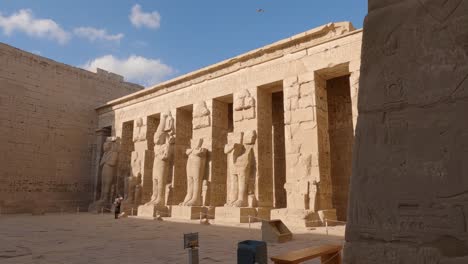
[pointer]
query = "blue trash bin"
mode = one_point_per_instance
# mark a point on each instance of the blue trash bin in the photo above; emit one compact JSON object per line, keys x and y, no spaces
{"x":252,"y":252}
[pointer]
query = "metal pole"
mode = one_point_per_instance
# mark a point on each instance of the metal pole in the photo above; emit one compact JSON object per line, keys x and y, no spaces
{"x":326,"y":226}
{"x":200,"y":223}
{"x":193,"y":255}
{"x":132,"y":211}
{"x":249,"y":222}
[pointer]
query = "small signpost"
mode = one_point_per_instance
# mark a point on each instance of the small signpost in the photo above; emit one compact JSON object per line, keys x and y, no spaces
{"x":191,"y":242}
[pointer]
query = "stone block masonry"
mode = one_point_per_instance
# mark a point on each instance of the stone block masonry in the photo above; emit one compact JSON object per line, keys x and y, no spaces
{"x":47,"y":130}
{"x":269,"y":129}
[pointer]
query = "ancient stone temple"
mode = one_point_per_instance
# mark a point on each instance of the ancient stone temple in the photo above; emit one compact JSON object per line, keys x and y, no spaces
{"x":409,"y":190}
{"x":267,"y":134}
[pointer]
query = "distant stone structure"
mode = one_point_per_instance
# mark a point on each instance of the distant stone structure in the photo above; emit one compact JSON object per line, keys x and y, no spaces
{"x":48,"y":126}
{"x":267,"y":134}
{"x":409,"y":187}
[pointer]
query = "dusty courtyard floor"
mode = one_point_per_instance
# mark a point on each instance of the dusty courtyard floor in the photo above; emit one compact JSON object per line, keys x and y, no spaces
{"x":87,"y":238}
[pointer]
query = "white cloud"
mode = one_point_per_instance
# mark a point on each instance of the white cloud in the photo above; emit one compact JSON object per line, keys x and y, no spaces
{"x":24,"y":21}
{"x":94,"y":34}
{"x":134,"y":68}
{"x":142,"y":19}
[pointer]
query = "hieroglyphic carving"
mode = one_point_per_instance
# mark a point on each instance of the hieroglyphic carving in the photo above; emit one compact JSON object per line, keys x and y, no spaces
{"x":164,"y":140}
{"x":196,"y":164}
{"x":409,"y":180}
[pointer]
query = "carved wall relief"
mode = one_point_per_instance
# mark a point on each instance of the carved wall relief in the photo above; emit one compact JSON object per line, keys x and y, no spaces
{"x":201,"y":115}
{"x":244,"y":105}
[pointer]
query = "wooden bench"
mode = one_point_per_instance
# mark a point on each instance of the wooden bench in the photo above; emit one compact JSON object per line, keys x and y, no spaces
{"x":330,"y":254}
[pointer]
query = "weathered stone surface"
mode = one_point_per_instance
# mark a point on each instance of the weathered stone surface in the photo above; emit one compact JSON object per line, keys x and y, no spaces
{"x":189,"y":212}
{"x":408,"y":200}
{"x":261,"y":130}
{"x":47,"y":130}
{"x":265,"y":127}
{"x":236,"y":214}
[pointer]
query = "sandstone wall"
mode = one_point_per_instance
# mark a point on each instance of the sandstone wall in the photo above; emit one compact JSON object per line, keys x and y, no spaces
{"x":409,"y":185}
{"x":47,"y":130}
{"x":300,"y":68}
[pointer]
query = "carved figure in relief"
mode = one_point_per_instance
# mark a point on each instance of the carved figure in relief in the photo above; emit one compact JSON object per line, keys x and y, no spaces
{"x":241,"y":161}
{"x":245,"y":106}
{"x":164,"y":140}
{"x":302,"y":193}
{"x":201,"y":115}
{"x":108,"y":163}
{"x":132,"y":193}
{"x":140,"y":131}
{"x":196,"y":164}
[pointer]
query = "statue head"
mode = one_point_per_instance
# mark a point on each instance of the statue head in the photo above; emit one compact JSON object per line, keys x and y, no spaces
{"x":107,"y":146}
{"x":139,"y":122}
{"x":250,"y":137}
{"x":200,"y":109}
{"x":196,"y":143}
{"x":168,"y":122}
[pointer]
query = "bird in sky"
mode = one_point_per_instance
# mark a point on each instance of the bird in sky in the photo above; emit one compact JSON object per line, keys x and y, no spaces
{"x":260,"y":10}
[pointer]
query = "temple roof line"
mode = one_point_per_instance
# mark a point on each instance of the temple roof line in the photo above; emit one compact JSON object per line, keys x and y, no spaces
{"x":296,"y":43}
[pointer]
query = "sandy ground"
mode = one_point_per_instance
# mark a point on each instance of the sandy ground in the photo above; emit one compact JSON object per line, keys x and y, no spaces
{"x":86,"y":238}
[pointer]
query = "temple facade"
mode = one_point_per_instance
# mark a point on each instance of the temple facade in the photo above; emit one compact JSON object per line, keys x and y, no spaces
{"x":267,"y":134}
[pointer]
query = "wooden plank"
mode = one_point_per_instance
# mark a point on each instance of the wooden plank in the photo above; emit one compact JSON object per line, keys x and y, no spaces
{"x":302,"y":255}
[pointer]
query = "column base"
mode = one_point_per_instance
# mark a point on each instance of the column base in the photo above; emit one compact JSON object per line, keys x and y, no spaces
{"x":129,"y":208}
{"x":191,"y":212}
{"x":303,"y":217}
{"x":241,"y":214}
{"x":152,"y":211}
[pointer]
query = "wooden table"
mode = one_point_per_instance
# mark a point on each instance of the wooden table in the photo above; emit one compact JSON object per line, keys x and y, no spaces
{"x":330,"y":254}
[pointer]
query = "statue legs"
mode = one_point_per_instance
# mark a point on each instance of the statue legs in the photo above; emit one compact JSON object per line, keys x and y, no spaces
{"x":234,"y":189}
{"x":160,"y":171}
{"x":130,"y":184}
{"x":194,"y":186}
{"x":106,"y":183}
{"x":196,"y":191}
{"x":242,"y":190}
{"x":189,"y":195}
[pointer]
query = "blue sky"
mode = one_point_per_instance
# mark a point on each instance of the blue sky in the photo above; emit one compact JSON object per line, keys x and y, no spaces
{"x":149,"y":41}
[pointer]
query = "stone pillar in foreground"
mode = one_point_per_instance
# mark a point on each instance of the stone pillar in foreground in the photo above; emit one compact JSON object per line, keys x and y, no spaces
{"x":409,"y":188}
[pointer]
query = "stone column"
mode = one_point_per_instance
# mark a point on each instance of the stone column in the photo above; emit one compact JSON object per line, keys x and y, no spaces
{"x":141,"y":135}
{"x":408,"y":194}
{"x":101,"y":135}
{"x":254,"y":195}
{"x":183,"y":127}
{"x":218,"y":159}
{"x":354,"y":83}
{"x":308,"y":181}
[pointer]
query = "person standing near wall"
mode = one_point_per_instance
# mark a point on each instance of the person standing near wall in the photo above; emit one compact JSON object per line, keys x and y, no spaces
{"x":117,"y":203}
